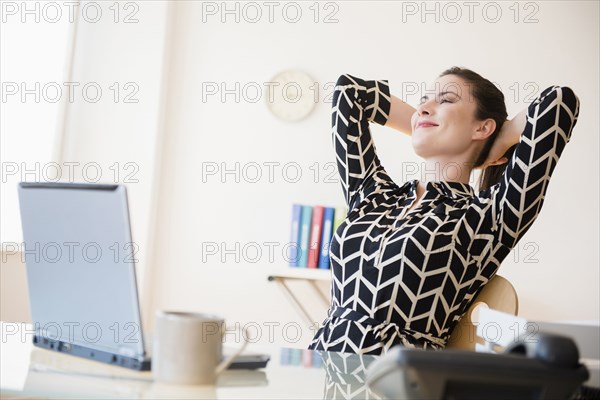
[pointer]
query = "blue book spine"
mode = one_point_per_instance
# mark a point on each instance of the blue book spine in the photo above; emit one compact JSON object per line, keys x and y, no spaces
{"x":326,"y":237}
{"x":317,"y":359}
{"x":294,"y":247}
{"x":285,"y":356}
{"x":296,"y":357}
{"x":306,"y":221}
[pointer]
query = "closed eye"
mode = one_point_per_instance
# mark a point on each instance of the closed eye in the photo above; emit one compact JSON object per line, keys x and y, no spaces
{"x":440,"y":96}
{"x":441,"y":101}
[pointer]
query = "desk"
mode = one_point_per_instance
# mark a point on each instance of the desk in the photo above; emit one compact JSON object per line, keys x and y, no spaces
{"x":31,"y":372}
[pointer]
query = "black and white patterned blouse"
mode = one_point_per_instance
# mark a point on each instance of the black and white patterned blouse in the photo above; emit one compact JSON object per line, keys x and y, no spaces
{"x":407,"y":278}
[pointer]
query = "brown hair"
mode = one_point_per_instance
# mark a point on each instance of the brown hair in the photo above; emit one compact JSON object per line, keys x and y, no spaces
{"x":490,"y":104}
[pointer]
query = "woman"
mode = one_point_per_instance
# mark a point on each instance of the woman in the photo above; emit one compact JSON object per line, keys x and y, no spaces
{"x":408,"y":260}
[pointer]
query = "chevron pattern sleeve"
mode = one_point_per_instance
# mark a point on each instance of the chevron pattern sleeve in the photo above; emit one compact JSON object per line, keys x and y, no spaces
{"x":518,"y":197}
{"x":356,"y":103}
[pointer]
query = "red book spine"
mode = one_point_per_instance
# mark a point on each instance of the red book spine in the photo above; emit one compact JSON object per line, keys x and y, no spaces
{"x":315,"y":237}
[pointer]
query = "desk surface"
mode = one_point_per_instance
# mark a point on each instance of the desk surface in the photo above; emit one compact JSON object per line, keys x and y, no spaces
{"x":31,"y":372}
{"x":28,"y":371}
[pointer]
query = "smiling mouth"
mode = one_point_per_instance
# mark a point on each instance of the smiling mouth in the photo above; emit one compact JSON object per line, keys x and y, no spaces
{"x":426,"y":126}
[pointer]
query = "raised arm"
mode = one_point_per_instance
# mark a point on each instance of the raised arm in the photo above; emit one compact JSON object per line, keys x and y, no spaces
{"x":543,"y":130}
{"x":356,"y":103}
{"x":400,"y":116}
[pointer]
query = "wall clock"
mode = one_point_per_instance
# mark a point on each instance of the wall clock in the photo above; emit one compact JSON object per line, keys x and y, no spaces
{"x":289,"y":96}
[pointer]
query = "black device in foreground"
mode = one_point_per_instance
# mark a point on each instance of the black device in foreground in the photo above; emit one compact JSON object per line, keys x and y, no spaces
{"x":540,"y":367}
{"x":243,"y":361}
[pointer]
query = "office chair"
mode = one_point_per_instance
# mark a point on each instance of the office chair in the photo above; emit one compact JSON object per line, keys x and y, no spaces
{"x":498,"y":294}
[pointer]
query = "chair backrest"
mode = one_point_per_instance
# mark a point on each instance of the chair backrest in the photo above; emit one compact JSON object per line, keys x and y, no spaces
{"x":497,"y":294}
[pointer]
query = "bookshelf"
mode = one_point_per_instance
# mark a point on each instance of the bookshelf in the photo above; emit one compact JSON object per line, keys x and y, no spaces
{"x":312,"y":277}
{"x":312,"y":229}
{"x":313,"y":274}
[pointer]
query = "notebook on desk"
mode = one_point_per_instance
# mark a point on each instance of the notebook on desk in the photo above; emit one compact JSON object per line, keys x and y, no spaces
{"x":80,"y":261}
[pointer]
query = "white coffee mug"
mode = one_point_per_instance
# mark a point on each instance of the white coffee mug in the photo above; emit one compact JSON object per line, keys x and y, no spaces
{"x":187,"y":348}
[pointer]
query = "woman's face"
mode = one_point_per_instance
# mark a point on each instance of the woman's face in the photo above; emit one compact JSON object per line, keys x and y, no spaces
{"x":448,"y":113}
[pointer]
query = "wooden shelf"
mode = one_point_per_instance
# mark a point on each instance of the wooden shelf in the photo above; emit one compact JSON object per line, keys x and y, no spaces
{"x":309,"y":274}
{"x":312,"y":276}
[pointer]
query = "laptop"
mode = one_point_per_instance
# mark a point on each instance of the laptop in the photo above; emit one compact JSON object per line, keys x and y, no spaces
{"x":80,"y":261}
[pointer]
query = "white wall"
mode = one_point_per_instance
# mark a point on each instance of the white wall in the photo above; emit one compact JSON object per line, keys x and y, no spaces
{"x":371,"y":41}
{"x":121,"y":134}
{"x":32,"y":66}
{"x":119,"y":49}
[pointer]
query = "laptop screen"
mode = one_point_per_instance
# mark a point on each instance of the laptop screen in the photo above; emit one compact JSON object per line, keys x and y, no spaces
{"x":80,"y":261}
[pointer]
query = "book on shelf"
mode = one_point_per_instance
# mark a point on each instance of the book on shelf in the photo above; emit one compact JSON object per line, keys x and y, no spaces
{"x":312,"y":230}
{"x":326,"y":237}
{"x":315,"y":237}
{"x":293,"y":253}
{"x":304,"y":235}
{"x":339,"y":216}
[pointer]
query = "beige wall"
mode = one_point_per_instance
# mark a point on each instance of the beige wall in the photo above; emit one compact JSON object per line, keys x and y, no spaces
{"x":370,"y":40}
{"x":14,"y":301}
{"x":555,"y":268}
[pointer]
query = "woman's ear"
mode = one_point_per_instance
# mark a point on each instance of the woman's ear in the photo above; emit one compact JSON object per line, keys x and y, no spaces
{"x":485,"y":129}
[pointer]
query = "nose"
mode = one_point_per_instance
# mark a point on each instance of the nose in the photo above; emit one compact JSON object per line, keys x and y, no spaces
{"x":424,"y":108}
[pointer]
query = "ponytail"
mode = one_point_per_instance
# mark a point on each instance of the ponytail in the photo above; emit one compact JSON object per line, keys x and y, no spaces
{"x":492,"y":174}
